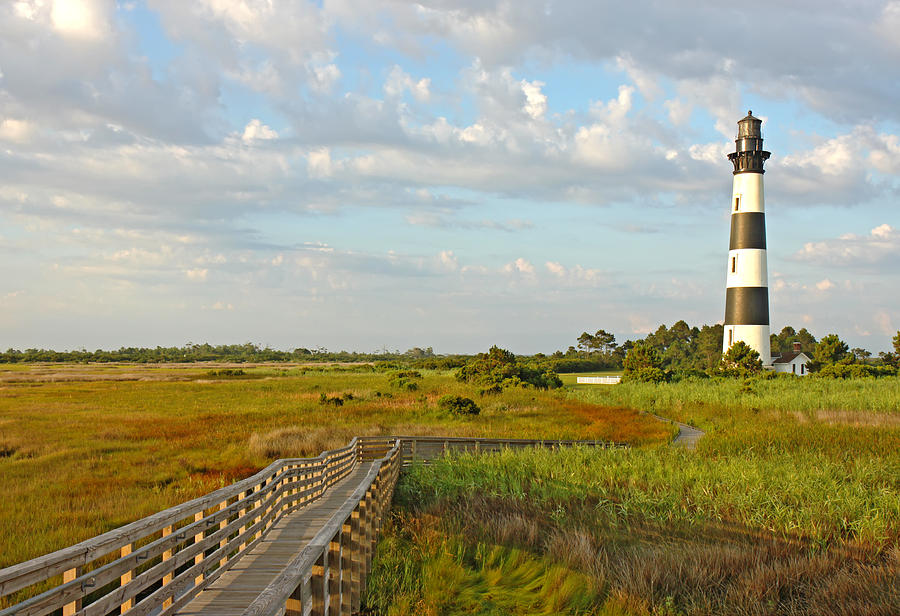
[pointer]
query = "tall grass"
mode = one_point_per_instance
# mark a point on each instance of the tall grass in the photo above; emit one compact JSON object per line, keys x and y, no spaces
{"x":78,"y":458}
{"x":789,"y":505}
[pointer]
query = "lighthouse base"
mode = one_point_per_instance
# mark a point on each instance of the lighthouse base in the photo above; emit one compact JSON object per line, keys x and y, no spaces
{"x":754,"y":336}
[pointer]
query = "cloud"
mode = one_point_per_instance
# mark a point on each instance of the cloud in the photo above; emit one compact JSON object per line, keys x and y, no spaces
{"x":520,"y":265}
{"x":196,"y":274}
{"x":257,"y":131}
{"x":398,"y":82}
{"x":880,"y":247}
{"x":15,"y":130}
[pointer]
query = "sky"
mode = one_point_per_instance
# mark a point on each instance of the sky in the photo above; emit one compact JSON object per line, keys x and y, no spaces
{"x":386,"y":174}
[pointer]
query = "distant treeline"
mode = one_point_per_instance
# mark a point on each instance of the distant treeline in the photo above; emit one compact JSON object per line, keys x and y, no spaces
{"x":232,"y":353}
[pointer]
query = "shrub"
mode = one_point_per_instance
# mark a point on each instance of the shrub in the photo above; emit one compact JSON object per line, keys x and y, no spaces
{"x":741,"y":360}
{"x":499,"y":367}
{"x":226,"y":372}
{"x":643,"y":364}
{"x":404,"y":384}
{"x":336,"y":401}
{"x":458,"y":405}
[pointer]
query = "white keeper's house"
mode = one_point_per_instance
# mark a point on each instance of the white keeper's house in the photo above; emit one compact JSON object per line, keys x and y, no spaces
{"x":793,"y":362}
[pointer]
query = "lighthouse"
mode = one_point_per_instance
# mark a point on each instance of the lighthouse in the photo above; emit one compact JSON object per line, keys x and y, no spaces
{"x":747,"y":283}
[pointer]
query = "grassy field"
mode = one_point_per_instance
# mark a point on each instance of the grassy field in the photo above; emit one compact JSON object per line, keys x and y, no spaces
{"x":790,"y":505}
{"x":84,"y":449}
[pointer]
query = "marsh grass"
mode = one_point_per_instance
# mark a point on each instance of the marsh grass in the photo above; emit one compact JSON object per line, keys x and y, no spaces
{"x":790,"y":504}
{"x":80,"y":457}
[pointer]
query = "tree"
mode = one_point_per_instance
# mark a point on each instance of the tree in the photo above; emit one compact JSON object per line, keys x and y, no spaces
{"x":741,"y":360}
{"x":831,"y":350}
{"x":860,"y":355}
{"x":643,"y":363}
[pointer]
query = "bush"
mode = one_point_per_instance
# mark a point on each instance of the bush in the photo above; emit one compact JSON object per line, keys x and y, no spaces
{"x":741,"y":360}
{"x":643,"y":364}
{"x":404,"y":384}
{"x":499,"y":367}
{"x":854,"y":371}
{"x":226,"y":372}
{"x":458,"y":405}
{"x":336,"y":401}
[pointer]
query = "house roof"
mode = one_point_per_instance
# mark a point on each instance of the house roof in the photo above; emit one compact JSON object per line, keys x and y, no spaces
{"x":787,"y":358}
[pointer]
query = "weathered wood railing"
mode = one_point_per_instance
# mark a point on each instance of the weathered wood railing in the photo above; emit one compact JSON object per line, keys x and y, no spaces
{"x":158,"y":564}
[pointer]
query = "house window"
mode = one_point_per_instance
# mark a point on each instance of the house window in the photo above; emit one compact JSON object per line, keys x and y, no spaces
{"x":730,"y":337}
{"x":794,"y":368}
{"x":733,"y":264}
{"x":737,"y":203}
{"x":802,"y":368}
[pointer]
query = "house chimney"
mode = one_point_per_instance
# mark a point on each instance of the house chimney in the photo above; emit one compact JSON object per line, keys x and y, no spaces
{"x":797,"y":347}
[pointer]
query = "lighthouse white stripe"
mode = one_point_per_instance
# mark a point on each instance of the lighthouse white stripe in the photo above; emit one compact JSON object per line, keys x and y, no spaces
{"x":749,"y":268}
{"x":749,"y":187}
{"x":754,"y":336}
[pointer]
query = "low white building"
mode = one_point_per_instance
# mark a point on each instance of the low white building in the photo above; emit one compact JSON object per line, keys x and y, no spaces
{"x":793,"y":362}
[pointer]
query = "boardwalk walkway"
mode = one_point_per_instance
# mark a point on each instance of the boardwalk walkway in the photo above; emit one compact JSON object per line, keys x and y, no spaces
{"x":295,"y":539}
{"x":257,"y":569}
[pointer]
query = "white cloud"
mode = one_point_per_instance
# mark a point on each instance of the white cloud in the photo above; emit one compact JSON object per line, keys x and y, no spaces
{"x":15,"y":130}
{"x":449,"y":260}
{"x":256,"y":130}
{"x":824,"y":285}
{"x":535,"y":100}
{"x":398,"y":82}
{"x":557,"y":269}
{"x":82,"y":18}
{"x":196,"y":274}
{"x":520,"y":265}
{"x":881,"y":246}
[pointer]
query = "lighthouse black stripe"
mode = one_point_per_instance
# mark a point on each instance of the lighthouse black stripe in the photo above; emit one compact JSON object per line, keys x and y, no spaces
{"x":747,"y":306}
{"x":748,"y":230}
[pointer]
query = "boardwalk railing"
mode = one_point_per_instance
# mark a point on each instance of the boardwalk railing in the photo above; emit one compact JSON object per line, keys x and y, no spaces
{"x":157,"y":565}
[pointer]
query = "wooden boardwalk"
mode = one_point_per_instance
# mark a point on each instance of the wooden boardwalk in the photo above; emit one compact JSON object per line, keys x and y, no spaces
{"x":295,"y":539}
{"x":245,"y":580}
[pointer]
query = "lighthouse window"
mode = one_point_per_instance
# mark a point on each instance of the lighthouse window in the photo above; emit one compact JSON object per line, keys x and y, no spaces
{"x":733,"y":264}
{"x":737,"y":203}
{"x":730,"y":337}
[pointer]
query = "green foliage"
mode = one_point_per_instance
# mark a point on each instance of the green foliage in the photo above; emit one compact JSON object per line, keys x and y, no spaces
{"x":226,"y":372}
{"x":831,"y":350}
{"x":237,"y":353}
{"x":324,"y":399}
{"x":854,"y":371}
{"x":499,"y":367}
{"x":741,"y":360}
{"x":783,"y":342}
{"x":643,"y":364}
{"x":458,"y":405}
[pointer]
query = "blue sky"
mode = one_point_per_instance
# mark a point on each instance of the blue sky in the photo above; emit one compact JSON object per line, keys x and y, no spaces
{"x":447,"y":174}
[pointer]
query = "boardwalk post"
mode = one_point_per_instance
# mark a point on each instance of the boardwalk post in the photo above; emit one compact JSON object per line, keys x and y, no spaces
{"x":167,"y":578}
{"x":346,"y":568}
{"x":198,"y":538}
{"x":355,"y":560}
{"x":126,"y":577}
{"x":334,"y":576}
{"x":224,"y":540}
{"x":319,"y":584}
{"x":71,"y":608}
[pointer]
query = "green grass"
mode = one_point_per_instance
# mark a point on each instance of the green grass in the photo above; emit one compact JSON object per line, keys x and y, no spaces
{"x":790,"y":504}
{"x":78,"y":458}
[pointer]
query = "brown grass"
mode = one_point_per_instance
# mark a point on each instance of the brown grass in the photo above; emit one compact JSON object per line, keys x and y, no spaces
{"x":716,"y":569}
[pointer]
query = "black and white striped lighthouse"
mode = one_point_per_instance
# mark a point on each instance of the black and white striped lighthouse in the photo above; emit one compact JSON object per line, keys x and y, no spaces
{"x":747,"y":286}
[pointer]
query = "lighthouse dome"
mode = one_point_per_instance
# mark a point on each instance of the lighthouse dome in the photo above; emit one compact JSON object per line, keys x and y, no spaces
{"x":749,"y":127}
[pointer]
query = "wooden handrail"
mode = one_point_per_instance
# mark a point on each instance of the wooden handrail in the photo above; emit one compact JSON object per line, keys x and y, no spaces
{"x":160,"y":563}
